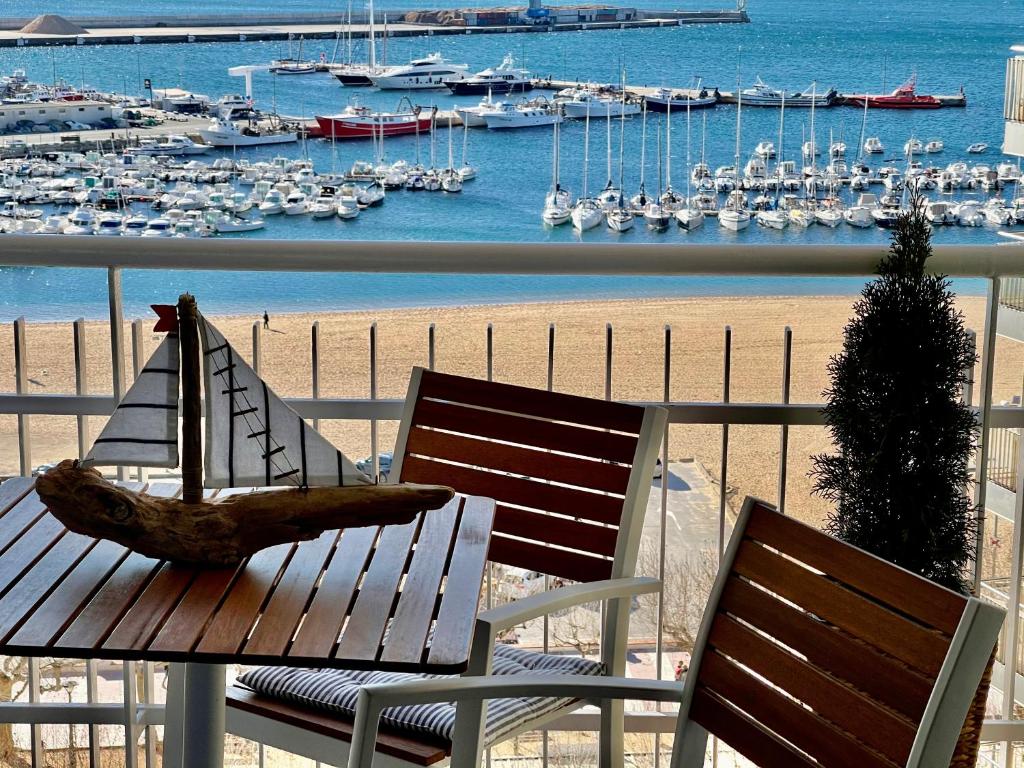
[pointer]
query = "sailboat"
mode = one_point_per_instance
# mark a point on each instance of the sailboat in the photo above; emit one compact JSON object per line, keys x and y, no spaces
{"x":690,"y":216}
{"x":734,"y":215}
{"x":293,"y":66}
{"x":639,"y":201}
{"x":620,"y":218}
{"x":558,"y":202}
{"x":467,"y":171}
{"x":451,"y":179}
{"x":252,"y":439}
{"x":656,"y":216}
{"x":670,"y":200}
{"x":776,"y":218}
{"x":609,"y":196}
{"x":351,"y":74}
{"x":587,"y":213}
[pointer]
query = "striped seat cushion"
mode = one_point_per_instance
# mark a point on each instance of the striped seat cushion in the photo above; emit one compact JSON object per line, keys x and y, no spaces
{"x":336,"y":690}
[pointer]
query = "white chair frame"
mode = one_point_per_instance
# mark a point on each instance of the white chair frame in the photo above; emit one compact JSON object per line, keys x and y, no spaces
{"x":933,"y":745}
{"x":615,"y":593}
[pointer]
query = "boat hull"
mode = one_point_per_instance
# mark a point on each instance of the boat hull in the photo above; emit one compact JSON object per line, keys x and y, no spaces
{"x":224,"y":139}
{"x":656,"y":104}
{"x":891,"y":102}
{"x":353,"y":79}
{"x":468,"y":88}
{"x":356,"y":127}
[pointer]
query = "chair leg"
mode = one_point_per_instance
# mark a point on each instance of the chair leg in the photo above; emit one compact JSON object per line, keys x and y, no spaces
{"x":612,"y":749}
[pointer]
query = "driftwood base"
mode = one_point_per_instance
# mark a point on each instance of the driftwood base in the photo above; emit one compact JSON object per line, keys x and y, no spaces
{"x":222,"y":532}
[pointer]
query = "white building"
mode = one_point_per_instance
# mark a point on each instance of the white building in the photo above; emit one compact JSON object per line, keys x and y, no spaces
{"x":1013,"y":105}
{"x":44,"y":111}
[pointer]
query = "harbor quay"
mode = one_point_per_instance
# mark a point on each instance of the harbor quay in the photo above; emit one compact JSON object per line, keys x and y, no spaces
{"x":199,"y":29}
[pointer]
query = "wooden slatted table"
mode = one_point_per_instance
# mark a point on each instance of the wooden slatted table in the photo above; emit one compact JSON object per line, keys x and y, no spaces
{"x":391,"y":598}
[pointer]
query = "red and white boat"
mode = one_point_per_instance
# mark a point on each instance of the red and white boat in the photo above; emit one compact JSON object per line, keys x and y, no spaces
{"x":903,"y":97}
{"x":358,"y":122}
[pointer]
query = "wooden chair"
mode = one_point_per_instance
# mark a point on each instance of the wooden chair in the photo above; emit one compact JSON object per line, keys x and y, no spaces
{"x":811,"y":653}
{"x":571,"y":477}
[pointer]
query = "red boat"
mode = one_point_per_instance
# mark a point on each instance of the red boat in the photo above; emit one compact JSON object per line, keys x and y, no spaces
{"x":358,"y":122}
{"x":903,"y":97}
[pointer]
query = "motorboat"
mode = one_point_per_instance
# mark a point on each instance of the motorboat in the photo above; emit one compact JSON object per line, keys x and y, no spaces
{"x":273,"y":203}
{"x":765,"y":149}
{"x":360,"y":122}
{"x":507,"y":115}
{"x":505,"y":78}
{"x":934,"y":146}
{"x":886,"y":216}
{"x":1009,"y":173}
{"x":109,"y":225}
{"x":159,"y":227}
{"x":829,"y":214}
{"x":323,"y":207}
{"x":859,"y":214}
{"x":939,"y":212}
{"x":599,"y":105}
{"x":665,"y":98}
{"x":762,"y":95}
{"x":968,"y":213}
{"x":52,"y":225}
{"x":472,"y":117}
{"x":371,"y":195}
{"x":168,"y":145}
{"x":837,"y":149}
{"x":977,"y":148}
{"x":224,"y":132}
{"x":913,"y":147}
{"x":227,"y":224}
{"x":295,"y":204}
{"x":432,"y":71}
{"x":873,"y":145}
{"x":232,"y":106}
{"x":904,"y":97}
{"x":81,"y":222}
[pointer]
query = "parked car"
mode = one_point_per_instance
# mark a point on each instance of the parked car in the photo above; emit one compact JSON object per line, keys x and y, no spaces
{"x":74,"y":125}
{"x":383,"y":464}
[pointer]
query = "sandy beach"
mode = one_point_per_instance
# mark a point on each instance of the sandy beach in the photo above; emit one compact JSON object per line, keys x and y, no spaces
{"x":520,"y":337}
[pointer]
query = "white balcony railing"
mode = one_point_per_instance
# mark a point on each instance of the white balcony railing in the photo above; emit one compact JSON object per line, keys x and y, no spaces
{"x":991,"y":264}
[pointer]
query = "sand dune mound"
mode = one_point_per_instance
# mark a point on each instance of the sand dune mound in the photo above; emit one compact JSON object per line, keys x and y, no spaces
{"x":51,"y":24}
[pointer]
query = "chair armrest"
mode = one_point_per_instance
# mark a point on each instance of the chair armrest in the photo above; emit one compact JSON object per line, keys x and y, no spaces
{"x":506,"y":616}
{"x":373,"y":699}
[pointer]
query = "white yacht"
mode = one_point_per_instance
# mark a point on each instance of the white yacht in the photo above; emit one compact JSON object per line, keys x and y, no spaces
{"x":859,"y":215}
{"x":505,"y":78}
{"x":527,"y":115}
{"x":168,"y":145}
{"x":934,"y":146}
{"x":224,"y":132}
{"x":433,"y":71}
{"x":599,"y":105}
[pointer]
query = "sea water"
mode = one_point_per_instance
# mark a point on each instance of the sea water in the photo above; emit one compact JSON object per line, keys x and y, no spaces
{"x":861,"y":46}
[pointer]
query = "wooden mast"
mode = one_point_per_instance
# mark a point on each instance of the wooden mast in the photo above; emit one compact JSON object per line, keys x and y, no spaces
{"x":191,"y":412}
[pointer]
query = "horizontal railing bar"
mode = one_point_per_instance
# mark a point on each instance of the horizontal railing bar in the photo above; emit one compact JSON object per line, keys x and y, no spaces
{"x":492,"y":258}
{"x":768,"y":414}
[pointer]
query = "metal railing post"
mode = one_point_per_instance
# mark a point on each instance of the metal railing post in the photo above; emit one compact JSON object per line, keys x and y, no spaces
{"x":115,"y":301}
{"x":138,"y":361}
{"x":988,"y":358}
{"x":81,"y":384}
{"x":314,"y":344}
{"x":21,"y":387}
{"x":787,"y":374}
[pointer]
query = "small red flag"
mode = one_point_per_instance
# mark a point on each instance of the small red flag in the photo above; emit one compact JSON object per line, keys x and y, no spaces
{"x":168,"y":318}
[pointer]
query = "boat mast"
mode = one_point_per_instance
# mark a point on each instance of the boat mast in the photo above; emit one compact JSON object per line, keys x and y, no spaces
{"x":688,"y":147}
{"x":608,"y":131}
{"x":643,"y":147}
{"x":554,"y":159}
{"x":668,"y":144}
{"x":373,"y":42}
{"x":586,"y":150}
{"x":622,"y":139}
{"x":778,"y":152}
{"x":451,"y":157}
{"x":658,"y":145}
{"x":465,"y":142}
{"x":863,"y":131}
{"x":191,"y":395}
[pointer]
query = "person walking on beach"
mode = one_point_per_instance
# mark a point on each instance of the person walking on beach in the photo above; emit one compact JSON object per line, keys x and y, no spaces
{"x":266,"y":320}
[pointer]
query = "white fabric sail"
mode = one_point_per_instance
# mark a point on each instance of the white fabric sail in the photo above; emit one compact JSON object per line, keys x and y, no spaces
{"x":143,"y":430}
{"x":252,"y":437}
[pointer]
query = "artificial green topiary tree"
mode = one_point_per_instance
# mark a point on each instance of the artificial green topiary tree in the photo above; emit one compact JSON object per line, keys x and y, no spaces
{"x":900,"y":482}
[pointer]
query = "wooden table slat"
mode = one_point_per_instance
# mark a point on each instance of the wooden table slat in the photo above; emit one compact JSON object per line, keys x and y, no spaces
{"x":372,"y":608}
{"x":185,"y":626}
{"x":109,"y":605}
{"x":40,"y":580}
{"x":284,"y":609}
{"x":452,"y":632}
{"x":18,"y":518}
{"x":14,"y":490}
{"x":27,"y":549}
{"x":146,"y":615}
{"x":322,"y":623}
{"x":51,"y":618}
{"x":407,"y":635}
{"x":237,"y":614}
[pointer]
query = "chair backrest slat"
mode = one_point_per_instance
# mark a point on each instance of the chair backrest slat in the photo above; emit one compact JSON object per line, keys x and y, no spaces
{"x":812,"y":652}
{"x":895,"y":685}
{"x":562,"y":468}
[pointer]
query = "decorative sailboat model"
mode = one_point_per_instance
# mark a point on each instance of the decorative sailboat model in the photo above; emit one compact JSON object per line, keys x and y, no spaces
{"x":252,"y":439}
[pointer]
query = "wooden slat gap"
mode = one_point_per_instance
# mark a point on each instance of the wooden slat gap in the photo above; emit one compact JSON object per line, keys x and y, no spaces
{"x":146,"y":642}
{"x":312,"y":592}
{"x":25,"y":529}
{"x":127,"y":605}
{"x":401,"y":584}
{"x":556,"y":548}
{"x":220,"y":602}
{"x":28,"y":484}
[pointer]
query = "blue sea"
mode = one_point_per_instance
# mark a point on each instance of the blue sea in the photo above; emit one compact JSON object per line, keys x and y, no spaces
{"x":855,"y":46}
